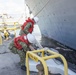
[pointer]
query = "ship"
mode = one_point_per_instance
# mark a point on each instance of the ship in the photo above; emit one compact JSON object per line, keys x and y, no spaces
{"x":56,"y":19}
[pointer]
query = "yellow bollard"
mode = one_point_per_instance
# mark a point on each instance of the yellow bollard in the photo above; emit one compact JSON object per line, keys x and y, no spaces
{"x":33,"y":55}
{"x":0,"y":39}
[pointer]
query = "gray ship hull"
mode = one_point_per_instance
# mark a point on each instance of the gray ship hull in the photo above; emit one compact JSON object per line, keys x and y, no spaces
{"x":56,"y":19}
